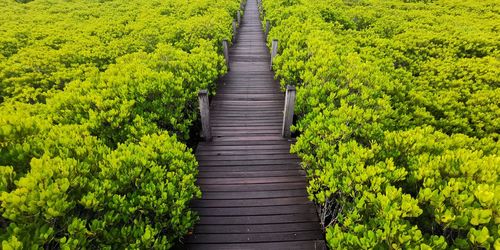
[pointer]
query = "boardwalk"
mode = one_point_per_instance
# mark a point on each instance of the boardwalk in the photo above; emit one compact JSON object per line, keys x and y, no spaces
{"x":254,"y":191}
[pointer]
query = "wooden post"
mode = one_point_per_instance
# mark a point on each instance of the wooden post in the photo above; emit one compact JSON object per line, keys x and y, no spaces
{"x":234,"y":31}
{"x":268,"y":27}
{"x":238,"y":17}
{"x":205,"y":114}
{"x":225,"y":47}
{"x":274,"y":51}
{"x":288,"y":111}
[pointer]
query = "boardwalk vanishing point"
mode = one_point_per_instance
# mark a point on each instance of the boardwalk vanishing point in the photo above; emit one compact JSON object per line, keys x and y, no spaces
{"x":254,"y":190}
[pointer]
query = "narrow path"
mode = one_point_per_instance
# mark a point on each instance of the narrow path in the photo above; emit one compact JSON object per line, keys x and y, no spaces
{"x":254,"y":191}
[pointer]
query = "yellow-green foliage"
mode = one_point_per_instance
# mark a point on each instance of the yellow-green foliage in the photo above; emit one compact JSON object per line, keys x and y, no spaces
{"x":399,"y":118}
{"x":96,"y":100}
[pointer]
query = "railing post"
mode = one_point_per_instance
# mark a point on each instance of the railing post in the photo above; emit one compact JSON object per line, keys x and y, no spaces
{"x":205,"y":114}
{"x":261,"y":9}
{"x":268,"y":27}
{"x":238,"y":17}
{"x":274,"y":51}
{"x":288,"y":111}
{"x":234,"y":31}
{"x":225,"y":47}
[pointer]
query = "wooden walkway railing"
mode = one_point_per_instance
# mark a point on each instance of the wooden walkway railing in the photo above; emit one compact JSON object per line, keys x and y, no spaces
{"x":254,"y":190}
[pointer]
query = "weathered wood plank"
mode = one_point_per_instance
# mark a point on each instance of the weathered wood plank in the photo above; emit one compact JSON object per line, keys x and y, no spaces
{"x":281,"y":141}
{"x":254,"y":210}
{"x":249,"y":168}
{"x":289,"y":245}
{"x":251,"y":202}
{"x":247,"y":162}
{"x":253,"y":194}
{"x":210,"y":158}
{"x":243,"y":152}
{"x":251,"y":174}
{"x":256,"y":138}
{"x":255,"y":187}
{"x":226,"y":148}
{"x":256,"y":220}
{"x":256,"y":180}
{"x":257,"y":237}
{"x":267,"y":228}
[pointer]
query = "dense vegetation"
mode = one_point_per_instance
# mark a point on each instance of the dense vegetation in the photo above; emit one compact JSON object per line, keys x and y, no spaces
{"x":399,"y":117}
{"x":96,"y":101}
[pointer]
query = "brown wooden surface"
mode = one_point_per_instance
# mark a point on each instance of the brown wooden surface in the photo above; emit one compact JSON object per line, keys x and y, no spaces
{"x":254,"y":190}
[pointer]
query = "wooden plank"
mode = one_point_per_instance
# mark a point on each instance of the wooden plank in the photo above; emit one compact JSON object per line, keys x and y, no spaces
{"x":251,"y":202}
{"x":241,"y":133}
{"x":254,"y":187}
{"x":248,"y":168}
{"x":249,"y":97}
{"x":253,"y":118}
{"x":248,"y":162}
{"x":265,"y":168}
{"x":273,"y":111}
{"x":253,"y":180}
{"x":246,"y":102}
{"x":207,"y":158}
{"x":249,"y":131}
{"x":243,"y":118}
{"x":248,"y":85}
{"x":280,"y":141}
{"x":213,"y":147}
{"x":244,"y":124}
{"x":257,"y":237}
{"x":269,"y":113}
{"x":289,"y":245}
{"x":233,"y":167}
{"x":237,"y":123}
{"x":223,"y":128}
{"x":265,"y":210}
{"x":246,"y":127}
{"x":246,"y":90}
{"x":256,"y":220}
{"x":253,"y":194}
{"x":269,"y":105}
{"x":244,"y":152}
{"x":266,"y":228}
{"x":246,"y":139}
{"x":251,"y":174}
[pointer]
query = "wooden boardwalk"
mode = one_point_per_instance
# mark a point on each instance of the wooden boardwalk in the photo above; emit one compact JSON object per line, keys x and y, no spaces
{"x":254,"y":190}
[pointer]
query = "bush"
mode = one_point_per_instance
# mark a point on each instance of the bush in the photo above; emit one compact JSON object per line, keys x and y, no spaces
{"x":97,"y":99}
{"x":136,"y":196}
{"x":398,"y":119}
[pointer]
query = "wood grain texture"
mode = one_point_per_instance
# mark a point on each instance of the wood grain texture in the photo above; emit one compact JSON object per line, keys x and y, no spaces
{"x":254,"y":190}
